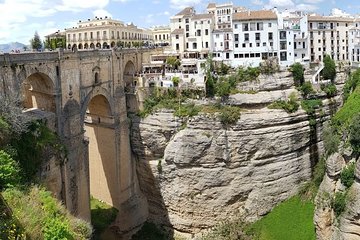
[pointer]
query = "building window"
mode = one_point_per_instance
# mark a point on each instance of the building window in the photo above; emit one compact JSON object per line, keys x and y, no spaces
{"x":282,"y":35}
{"x":252,"y":26}
{"x":269,"y":24}
{"x":206,"y":45}
{"x":257,"y":36}
{"x":236,"y":37}
{"x":217,"y":35}
{"x":177,"y":36}
{"x":177,"y":46}
{"x":270,"y":36}
{"x":235,"y":26}
{"x":259,"y":26}
{"x":198,"y":32}
{"x":283,"y":56}
{"x":236,"y":45}
{"x":244,"y":45}
{"x":258,"y":44}
{"x":206,"y":32}
{"x":245,"y":27}
{"x":246,"y":37}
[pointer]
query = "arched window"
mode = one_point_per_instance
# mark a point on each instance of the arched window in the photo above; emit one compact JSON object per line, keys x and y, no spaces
{"x":96,"y":78}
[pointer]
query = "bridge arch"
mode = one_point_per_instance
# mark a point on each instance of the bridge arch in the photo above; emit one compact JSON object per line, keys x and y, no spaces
{"x":101,"y":134}
{"x":38,"y":91}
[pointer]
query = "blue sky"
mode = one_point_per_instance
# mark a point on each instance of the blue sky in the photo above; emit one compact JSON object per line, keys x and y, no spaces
{"x":19,"y":19}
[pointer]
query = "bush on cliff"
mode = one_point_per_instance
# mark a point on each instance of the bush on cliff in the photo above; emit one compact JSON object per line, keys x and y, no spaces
{"x":354,"y":130}
{"x":329,"y":71}
{"x":298,"y":74}
{"x":290,"y":106}
{"x":347,"y":175}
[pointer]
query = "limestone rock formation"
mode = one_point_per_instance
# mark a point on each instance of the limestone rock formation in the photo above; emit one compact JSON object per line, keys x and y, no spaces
{"x":195,"y":177}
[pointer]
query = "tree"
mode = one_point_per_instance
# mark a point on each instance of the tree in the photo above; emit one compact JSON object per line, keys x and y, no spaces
{"x":36,"y":42}
{"x":298,"y":74}
{"x":176,"y":81}
{"x":210,"y":80}
{"x":173,"y":62}
{"x":329,"y":71}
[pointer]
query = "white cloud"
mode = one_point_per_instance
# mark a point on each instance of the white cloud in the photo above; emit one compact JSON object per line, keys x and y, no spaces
{"x":313,"y":1}
{"x":281,"y":3}
{"x":101,"y":13}
{"x":180,"y":4}
{"x":156,"y":2}
{"x":306,"y":7}
{"x":78,"y":5}
{"x":257,"y":2}
{"x":15,"y":14}
{"x":339,"y":13}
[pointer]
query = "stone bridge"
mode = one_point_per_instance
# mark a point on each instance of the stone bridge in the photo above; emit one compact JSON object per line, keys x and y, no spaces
{"x":85,"y":93}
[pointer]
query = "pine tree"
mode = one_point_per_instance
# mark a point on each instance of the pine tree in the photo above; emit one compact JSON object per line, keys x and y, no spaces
{"x":36,"y":42}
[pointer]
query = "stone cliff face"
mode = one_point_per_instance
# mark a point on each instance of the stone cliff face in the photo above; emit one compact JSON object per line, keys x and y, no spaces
{"x":197,"y":175}
{"x":205,"y":173}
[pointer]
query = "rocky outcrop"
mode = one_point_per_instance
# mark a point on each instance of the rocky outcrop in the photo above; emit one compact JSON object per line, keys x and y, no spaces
{"x":205,"y":173}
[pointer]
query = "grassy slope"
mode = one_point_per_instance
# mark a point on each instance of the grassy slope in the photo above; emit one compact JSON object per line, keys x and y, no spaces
{"x":290,"y":220}
{"x":349,"y":110}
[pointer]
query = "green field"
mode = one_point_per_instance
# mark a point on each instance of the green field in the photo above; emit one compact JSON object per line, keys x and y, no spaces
{"x":290,"y":220}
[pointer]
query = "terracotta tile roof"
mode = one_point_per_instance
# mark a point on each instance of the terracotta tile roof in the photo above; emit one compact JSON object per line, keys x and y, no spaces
{"x":318,"y":18}
{"x":178,"y":31}
{"x":254,"y":15}
{"x":202,"y":16}
{"x":186,"y":11}
{"x":211,"y":5}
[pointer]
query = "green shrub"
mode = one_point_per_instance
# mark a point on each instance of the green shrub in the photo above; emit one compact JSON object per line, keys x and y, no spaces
{"x":187,"y":110}
{"x":354,"y":131}
{"x":306,"y":89}
{"x":57,"y":229}
{"x":9,"y":171}
{"x":339,"y":203}
{"x":229,"y":115}
{"x":269,"y":66}
{"x":331,"y":139}
{"x":248,"y":74}
{"x":311,"y":105}
{"x":289,"y":106}
{"x":347,"y":175}
{"x":329,"y":71}
{"x":298,"y":74}
{"x":223,"y":88}
{"x":329,"y":89}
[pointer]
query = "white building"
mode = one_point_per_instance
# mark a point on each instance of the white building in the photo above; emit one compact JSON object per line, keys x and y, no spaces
{"x":354,"y":43}
{"x":105,"y":33}
{"x":161,"y":35}
{"x":256,"y":37}
{"x":329,"y":36}
{"x":191,"y":33}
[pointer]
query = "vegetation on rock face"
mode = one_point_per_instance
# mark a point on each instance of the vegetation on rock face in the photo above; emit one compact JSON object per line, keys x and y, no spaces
{"x":329,"y":71}
{"x":229,"y":115}
{"x":311,"y":105}
{"x":329,"y":89}
{"x":331,"y":139}
{"x":347,"y":175}
{"x":309,"y":190}
{"x":290,"y":106}
{"x":306,"y":89}
{"x":298,"y":74}
{"x":339,"y":203}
